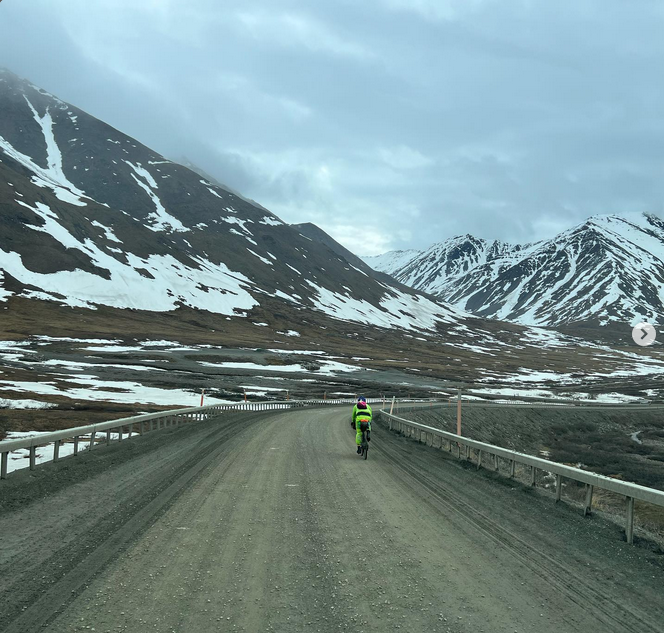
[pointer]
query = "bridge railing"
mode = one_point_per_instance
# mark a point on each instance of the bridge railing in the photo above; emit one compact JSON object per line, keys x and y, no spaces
{"x":492,"y":454}
{"x":90,"y":435}
{"x":534,"y":404}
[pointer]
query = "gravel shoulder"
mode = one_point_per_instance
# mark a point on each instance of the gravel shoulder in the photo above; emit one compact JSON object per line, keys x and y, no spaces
{"x":271,"y":522}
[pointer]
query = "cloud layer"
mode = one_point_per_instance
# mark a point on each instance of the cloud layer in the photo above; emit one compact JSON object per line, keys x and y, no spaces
{"x":405,"y":121}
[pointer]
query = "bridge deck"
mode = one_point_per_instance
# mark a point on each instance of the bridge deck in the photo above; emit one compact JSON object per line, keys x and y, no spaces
{"x":271,"y":522}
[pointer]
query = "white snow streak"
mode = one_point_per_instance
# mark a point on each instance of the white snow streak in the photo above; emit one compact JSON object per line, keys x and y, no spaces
{"x":211,"y":287}
{"x":162,"y":220}
{"x":53,"y":177}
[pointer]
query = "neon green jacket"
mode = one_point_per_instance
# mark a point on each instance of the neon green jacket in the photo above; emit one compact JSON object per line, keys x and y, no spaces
{"x":362,"y":414}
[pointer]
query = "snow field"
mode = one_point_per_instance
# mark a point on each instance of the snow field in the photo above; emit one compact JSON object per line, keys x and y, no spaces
{"x":173,"y":281}
{"x":91,"y":389}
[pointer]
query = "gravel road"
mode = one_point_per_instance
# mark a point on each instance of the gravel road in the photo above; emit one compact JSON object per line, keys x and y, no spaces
{"x":271,"y":522}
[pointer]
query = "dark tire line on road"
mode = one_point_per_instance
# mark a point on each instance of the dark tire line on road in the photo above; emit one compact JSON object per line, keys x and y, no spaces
{"x":559,"y":576}
{"x":52,"y":601}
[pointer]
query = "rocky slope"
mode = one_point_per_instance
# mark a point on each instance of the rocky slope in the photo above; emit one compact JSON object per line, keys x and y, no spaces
{"x":91,"y":218}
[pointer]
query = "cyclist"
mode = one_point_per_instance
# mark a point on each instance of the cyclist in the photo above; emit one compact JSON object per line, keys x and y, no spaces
{"x":361,"y":421}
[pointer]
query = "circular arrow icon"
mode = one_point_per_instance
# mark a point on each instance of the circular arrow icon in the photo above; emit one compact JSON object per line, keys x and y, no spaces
{"x":644,"y":334}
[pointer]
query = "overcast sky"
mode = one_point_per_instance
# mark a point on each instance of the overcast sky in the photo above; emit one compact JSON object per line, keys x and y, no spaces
{"x":389,"y":123}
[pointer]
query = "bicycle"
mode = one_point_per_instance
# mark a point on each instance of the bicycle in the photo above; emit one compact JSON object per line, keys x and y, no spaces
{"x":365,"y":442}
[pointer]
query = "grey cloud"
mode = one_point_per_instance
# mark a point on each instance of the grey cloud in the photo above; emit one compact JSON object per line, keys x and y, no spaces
{"x":418,"y":119}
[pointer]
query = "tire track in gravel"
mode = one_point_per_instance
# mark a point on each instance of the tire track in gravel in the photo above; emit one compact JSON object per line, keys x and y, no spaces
{"x":610,"y":610}
{"x":30,"y":605}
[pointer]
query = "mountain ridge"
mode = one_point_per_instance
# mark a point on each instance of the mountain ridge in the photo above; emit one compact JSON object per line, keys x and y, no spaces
{"x":604,"y":271}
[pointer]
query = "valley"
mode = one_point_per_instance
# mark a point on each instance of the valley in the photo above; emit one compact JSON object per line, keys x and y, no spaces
{"x":130,"y":283}
{"x":331,"y":317}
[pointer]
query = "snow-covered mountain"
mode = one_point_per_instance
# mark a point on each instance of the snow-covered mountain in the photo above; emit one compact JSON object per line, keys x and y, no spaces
{"x":101,"y":237}
{"x":608,"y":269}
{"x":90,"y":218}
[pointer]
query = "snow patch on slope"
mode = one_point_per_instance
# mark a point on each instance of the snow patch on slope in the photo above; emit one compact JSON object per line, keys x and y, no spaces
{"x":53,"y":177}
{"x":161,"y":219}
{"x":397,"y":309}
{"x":208,"y":286}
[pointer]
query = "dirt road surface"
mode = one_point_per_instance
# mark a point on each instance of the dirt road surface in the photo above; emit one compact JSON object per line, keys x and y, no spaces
{"x":271,"y":522}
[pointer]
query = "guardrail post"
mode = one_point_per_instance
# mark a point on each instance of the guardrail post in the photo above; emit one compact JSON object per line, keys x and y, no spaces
{"x":512,"y":468}
{"x":495,"y":463}
{"x":75,"y":446}
{"x":589,"y":499}
{"x":33,"y":457}
{"x":4,"y":458}
{"x":559,"y":487}
{"x":131,"y":429}
{"x":629,"y":528}
{"x":467,"y":452}
{"x":158,"y":424}
{"x":533,"y":476}
{"x":459,"y":412}
{"x":56,"y":450}
{"x":479,"y":459}
{"x":142,"y":428}
{"x":92,"y":440}
{"x":119,"y":434}
{"x":108,"y":436}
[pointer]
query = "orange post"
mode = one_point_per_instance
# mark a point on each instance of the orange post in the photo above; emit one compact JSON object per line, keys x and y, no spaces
{"x":459,"y":412}
{"x":202,"y":396}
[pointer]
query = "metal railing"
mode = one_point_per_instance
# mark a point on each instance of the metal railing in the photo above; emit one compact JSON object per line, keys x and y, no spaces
{"x":541,"y":404}
{"x":89,"y":435}
{"x":630,"y":491}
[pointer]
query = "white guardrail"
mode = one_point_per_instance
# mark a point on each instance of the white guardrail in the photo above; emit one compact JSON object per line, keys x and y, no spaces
{"x":141,"y":424}
{"x":592,"y":480}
